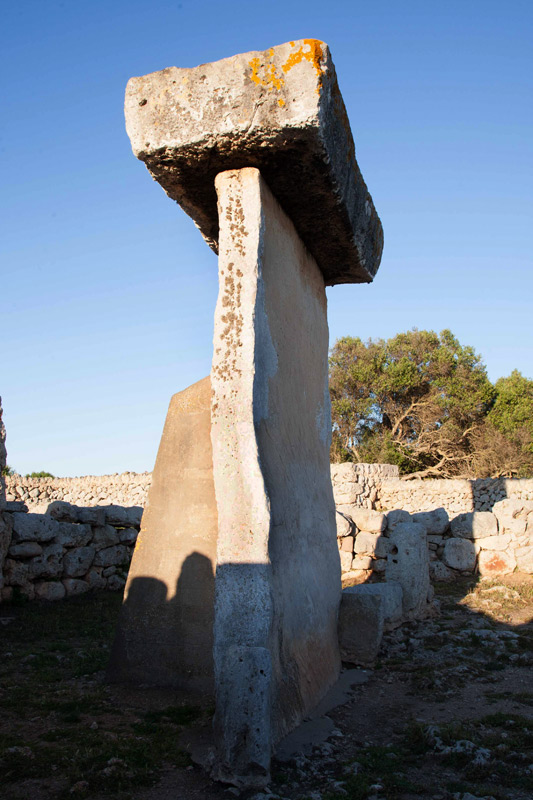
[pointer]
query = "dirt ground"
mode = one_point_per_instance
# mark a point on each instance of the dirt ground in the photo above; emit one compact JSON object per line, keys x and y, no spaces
{"x":446,"y":713}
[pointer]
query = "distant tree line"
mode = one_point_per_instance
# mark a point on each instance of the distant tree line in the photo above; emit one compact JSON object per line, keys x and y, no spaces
{"x":424,"y":402}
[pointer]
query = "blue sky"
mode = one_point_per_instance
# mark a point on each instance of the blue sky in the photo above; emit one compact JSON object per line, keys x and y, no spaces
{"x":107,"y":290}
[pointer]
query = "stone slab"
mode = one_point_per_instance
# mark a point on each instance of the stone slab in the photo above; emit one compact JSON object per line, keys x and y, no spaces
{"x":278,"y":569}
{"x":280,"y":111}
{"x":361,"y":620}
{"x":165,"y":631}
{"x":391,"y":598}
{"x":408,"y":564}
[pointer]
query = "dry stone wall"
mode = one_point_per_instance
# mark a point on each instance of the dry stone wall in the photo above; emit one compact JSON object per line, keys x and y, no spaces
{"x":50,"y":527}
{"x":67,"y":551}
{"x":127,"y":489}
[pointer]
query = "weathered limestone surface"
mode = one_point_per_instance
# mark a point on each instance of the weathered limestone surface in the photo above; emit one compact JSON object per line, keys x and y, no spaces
{"x":165,"y":632}
{"x":280,"y":111}
{"x":278,"y":569}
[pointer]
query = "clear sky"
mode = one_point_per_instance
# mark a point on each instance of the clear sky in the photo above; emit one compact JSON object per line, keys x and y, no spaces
{"x":107,"y":289}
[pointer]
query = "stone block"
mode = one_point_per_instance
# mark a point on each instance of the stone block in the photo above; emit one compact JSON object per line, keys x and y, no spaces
{"x":127,"y":535}
{"x":435,"y":522}
{"x":361,"y":622}
{"x":95,"y":579}
{"x":71,"y":534}
{"x":474,"y":525}
{"x":77,"y":561}
{"x":496,"y":562}
{"x":104,"y":536}
{"x":278,"y":110}
{"x":49,"y":590}
{"x":16,"y":573}
{"x":346,"y":560}
{"x":361,"y":562}
{"x":347,"y":544}
{"x":368,"y":520}
{"x":391,"y":594}
{"x":408,"y":565}
{"x":460,"y":553}
{"x":25,"y":550}
{"x":440,"y":573}
{"x":524,"y":558}
{"x":344,"y":525}
{"x":500,"y":542}
{"x":397,"y":516}
{"x":112,"y":556}
{"x":165,"y":631}
{"x":33,"y":527}
{"x":74,"y":586}
{"x":372,"y":544}
{"x":49,"y":564}
{"x":347,"y":494}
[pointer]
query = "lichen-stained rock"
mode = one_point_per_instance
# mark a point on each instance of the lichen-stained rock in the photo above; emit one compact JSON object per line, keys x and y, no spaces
{"x":496,"y":562}
{"x":280,"y":111}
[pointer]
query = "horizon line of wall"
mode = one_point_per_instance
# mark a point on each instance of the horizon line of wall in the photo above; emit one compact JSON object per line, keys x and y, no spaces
{"x":375,"y":486}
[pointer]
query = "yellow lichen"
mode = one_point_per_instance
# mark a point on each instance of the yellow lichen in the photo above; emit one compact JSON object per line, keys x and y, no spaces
{"x":267,"y":76}
{"x":313,"y":55}
{"x":281,"y":102}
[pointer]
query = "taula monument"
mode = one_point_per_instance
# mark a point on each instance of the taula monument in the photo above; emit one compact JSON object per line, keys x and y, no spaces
{"x":234,"y":586}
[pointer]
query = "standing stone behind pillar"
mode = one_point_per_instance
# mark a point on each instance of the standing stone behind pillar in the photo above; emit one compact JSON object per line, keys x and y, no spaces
{"x":165,"y":632}
{"x":278,"y":570}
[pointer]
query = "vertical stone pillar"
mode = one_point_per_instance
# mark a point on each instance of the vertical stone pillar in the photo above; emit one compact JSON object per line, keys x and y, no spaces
{"x":277,"y":585}
{"x":165,"y":631}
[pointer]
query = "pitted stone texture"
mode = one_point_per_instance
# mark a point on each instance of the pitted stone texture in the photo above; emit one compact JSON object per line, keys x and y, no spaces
{"x":278,"y":569}
{"x":459,"y":554}
{"x":165,"y":631}
{"x":408,"y":564}
{"x":280,"y":111}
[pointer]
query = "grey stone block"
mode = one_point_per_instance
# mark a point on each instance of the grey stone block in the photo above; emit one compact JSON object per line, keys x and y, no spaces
{"x":408,"y":564}
{"x":33,"y":527}
{"x":77,"y":561}
{"x":280,"y":111}
{"x":361,"y":621}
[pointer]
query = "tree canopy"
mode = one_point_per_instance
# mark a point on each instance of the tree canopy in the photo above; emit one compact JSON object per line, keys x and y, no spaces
{"x":423,"y":401}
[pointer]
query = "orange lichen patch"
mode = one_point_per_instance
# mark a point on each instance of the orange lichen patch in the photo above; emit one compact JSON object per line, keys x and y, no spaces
{"x":281,"y":102}
{"x":314,"y":55}
{"x":266,"y":77}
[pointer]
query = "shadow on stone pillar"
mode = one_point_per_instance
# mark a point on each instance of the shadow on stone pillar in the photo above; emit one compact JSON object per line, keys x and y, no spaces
{"x":165,"y":630}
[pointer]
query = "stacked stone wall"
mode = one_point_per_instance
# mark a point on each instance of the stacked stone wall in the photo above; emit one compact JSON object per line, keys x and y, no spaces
{"x":456,"y":496}
{"x":126,"y":489}
{"x":64,"y":536}
{"x":67,"y":551}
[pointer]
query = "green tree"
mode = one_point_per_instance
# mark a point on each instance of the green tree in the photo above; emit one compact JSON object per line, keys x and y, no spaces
{"x":417,"y":400}
{"x":41,"y":474}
